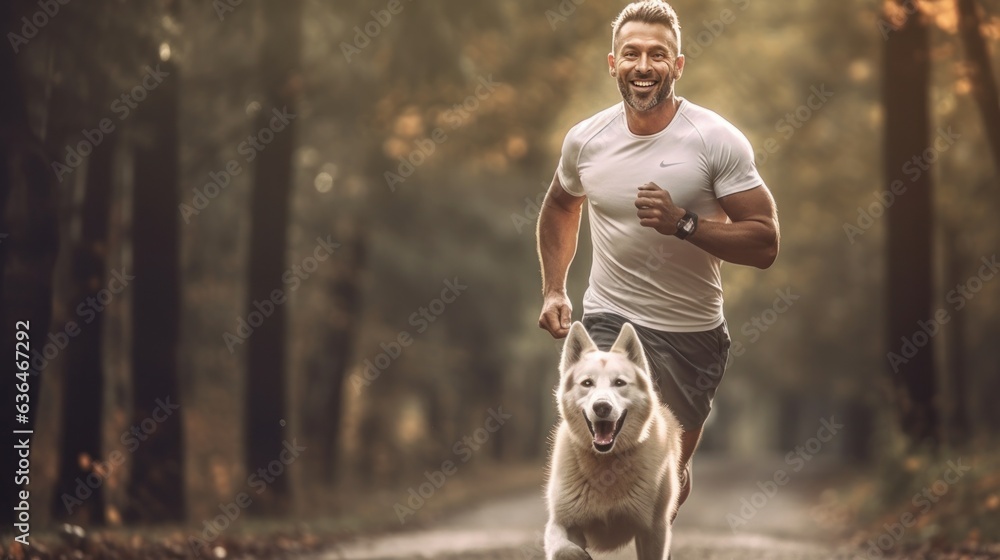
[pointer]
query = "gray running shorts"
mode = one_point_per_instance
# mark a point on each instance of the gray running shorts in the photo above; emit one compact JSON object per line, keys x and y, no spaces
{"x":686,"y":366}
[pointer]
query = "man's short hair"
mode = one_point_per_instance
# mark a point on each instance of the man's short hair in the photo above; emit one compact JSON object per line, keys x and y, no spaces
{"x":647,"y":11}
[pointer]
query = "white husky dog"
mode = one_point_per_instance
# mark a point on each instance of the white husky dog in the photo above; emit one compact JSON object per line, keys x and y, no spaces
{"x":614,"y":470}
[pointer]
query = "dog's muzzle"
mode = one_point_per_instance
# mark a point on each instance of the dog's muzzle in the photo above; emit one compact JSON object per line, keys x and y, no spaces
{"x":605,"y":431}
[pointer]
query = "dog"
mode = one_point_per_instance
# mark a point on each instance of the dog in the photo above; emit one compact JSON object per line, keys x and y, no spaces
{"x":614,"y":470}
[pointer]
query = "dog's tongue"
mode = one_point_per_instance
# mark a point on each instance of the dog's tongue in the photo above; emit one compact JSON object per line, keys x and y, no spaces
{"x":604,"y":432}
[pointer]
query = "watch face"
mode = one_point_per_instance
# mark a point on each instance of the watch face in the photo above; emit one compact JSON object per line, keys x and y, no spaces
{"x":688,"y":226}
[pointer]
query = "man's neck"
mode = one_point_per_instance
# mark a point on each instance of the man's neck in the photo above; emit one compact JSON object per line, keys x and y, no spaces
{"x":650,"y":122}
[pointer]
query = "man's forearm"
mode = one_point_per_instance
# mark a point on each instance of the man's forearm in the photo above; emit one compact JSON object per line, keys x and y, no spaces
{"x":558,"y":232}
{"x":749,"y":242}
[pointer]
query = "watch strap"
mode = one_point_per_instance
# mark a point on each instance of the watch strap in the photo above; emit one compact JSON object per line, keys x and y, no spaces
{"x":682,"y":225}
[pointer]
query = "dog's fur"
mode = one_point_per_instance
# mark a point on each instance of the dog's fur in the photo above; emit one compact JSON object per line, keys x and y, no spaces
{"x":600,"y":497}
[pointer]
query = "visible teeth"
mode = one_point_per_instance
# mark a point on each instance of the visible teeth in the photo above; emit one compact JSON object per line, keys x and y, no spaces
{"x":643,"y":84}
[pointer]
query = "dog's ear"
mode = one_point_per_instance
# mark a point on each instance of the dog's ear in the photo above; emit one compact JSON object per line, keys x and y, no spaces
{"x":578,"y":343}
{"x":628,"y":343}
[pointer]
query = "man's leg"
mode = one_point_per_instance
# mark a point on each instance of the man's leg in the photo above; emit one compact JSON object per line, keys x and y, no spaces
{"x":689,"y":443}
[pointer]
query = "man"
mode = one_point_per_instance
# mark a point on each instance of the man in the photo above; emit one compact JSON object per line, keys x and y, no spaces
{"x":673,"y":191}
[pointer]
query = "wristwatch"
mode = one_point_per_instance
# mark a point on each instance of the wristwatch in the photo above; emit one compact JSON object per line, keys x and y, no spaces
{"x":686,"y":225}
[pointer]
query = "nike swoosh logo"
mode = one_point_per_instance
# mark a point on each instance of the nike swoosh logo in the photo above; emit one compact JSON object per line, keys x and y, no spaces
{"x":662,"y":164}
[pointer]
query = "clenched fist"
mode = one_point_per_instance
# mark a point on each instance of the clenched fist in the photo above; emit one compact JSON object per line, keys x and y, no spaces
{"x":656,"y":209}
{"x":556,"y":317}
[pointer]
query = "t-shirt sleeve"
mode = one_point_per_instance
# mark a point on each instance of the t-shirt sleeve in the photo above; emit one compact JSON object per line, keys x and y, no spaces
{"x":733,"y":163}
{"x":568,"y":169}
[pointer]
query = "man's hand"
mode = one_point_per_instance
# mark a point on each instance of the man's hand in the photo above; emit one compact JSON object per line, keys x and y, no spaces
{"x":557,"y":313}
{"x":657,"y":210}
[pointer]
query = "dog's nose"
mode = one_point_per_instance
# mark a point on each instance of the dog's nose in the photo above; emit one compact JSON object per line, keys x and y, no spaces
{"x":602,"y":409}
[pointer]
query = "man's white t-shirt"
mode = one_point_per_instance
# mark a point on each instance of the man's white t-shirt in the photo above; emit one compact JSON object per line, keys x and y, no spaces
{"x":655,"y":280}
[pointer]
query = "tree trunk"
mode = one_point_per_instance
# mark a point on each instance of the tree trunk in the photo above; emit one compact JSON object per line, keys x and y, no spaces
{"x":984,"y":85}
{"x":906,"y":73}
{"x":84,"y":381}
{"x":959,"y":426}
{"x":28,"y":246}
{"x":266,"y":391}
{"x":156,"y":485}
{"x":117,"y":323}
{"x":858,"y":441}
{"x":323,"y":393}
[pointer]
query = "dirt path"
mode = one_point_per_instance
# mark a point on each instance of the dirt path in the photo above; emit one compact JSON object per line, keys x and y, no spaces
{"x":785,"y":527}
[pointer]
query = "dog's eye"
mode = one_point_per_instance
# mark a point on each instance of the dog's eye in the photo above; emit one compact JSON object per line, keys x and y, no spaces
{"x":620,"y":383}
{"x":587,"y":383}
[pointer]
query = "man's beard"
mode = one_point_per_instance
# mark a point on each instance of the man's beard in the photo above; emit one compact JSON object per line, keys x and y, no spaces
{"x":649,"y":101}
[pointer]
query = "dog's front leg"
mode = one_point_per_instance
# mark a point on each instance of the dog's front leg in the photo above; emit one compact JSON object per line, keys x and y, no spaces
{"x":654,"y":544}
{"x":564,"y":544}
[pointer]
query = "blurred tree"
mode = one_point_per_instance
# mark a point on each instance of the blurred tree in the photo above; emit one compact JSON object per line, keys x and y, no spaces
{"x":956,"y":375}
{"x":28,"y":237}
{"x":984,"y":85}
{"x":266,"y":391}
{"x":905,"y":93}
{"x":83,"y":392}
{"x":323,"y":390}
{"x":70,"y":87}
{"x":156,"y":485}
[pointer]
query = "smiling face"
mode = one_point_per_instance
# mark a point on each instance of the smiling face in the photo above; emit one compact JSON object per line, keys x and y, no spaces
{"x":646,"y":63}
{"x":605,"y":397}
{"x":604,"y":388}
